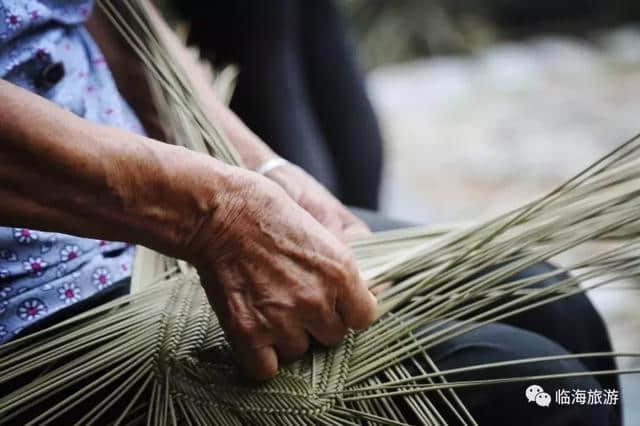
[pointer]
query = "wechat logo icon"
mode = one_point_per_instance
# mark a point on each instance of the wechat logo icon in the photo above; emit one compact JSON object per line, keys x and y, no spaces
{"x":535,"y":393}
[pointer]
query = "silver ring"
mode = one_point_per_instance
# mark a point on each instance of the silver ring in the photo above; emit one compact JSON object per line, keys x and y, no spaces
{"x":271,"y":164}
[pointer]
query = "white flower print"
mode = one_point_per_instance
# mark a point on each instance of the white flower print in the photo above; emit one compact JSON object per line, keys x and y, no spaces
{"x":12,"y":19}
{"x":4,"y":273}
{"x":35,"y":265}
{"x":101,"y":278}
{"x":24,"y":235}
{"x":31,"y":309}
{"x":3,"y":330}
{"x":4,"y":292}
{"x":69,"y":292}
{"x":69,"y":252}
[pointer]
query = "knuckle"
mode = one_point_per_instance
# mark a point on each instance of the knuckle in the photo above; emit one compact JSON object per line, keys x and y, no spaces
{"x":311,"y":300}
{"x":244,"y":330}
{"x":346,"y":261}
{"x":343,"y":255}
{"x":347,"y":273}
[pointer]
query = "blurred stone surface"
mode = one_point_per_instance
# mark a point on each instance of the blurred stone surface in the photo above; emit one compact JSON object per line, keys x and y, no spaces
{"x":471,"y":137}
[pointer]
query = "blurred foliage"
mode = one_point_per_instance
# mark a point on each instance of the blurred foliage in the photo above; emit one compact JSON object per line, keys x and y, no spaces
{"x":402,"y":29}
{"x":399,"y":30}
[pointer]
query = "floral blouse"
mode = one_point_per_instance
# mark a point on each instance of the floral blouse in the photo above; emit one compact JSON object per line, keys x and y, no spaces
{"x":45,"y":48}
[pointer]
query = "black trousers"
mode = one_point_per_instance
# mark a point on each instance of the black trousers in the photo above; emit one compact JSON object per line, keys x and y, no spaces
{"x":570,"y":325}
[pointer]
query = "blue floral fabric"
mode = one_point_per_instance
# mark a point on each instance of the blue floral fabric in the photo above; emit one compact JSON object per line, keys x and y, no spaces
{"x":43,"y":272}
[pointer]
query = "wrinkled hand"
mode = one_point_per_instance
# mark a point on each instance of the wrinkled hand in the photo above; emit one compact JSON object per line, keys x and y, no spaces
{"x":322,"y":205}
{"x":315,"y":199}
{"x":275,"y":276}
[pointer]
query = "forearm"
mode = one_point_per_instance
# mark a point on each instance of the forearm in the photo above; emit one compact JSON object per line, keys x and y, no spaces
{"x":61,"y":173}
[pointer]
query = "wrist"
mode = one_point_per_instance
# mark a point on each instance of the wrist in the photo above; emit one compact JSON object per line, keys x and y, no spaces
{"x":168,"y":192}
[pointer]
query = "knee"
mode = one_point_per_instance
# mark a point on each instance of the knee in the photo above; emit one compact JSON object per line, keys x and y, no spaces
{"x":493,"y":404}
{"x":578,"y":304}
{"x":580,"y":321}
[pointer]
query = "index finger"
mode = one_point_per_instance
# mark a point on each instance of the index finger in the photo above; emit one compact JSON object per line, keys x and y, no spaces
{"x":356,"y":305}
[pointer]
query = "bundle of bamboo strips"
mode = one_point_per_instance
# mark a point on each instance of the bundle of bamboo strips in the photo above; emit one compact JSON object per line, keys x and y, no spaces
{"x":159,"y":355}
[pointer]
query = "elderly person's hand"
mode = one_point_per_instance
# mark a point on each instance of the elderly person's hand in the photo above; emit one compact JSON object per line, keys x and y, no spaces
{"x":315,"y":199}
{"x":275,"y":276}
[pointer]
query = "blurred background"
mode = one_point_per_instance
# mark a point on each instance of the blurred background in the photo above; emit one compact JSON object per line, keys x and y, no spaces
{"x":485,"y":104}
